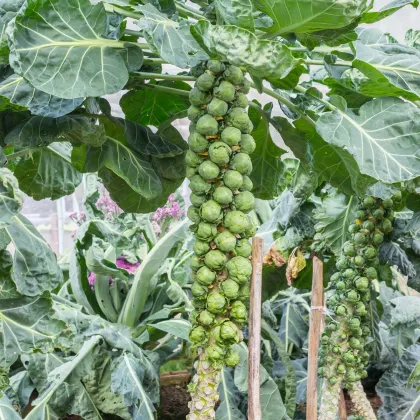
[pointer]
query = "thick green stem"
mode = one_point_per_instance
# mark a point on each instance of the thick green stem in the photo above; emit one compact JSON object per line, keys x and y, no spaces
{"x":167,"y":89}
{"x":329,"y":401}
{"x":301,"y":89}
{"x":361,"y":403}
{"x":159,"y":76}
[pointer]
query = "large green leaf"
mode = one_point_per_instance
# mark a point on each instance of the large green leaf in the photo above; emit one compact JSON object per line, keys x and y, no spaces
{"x":302,"y":17}
{"x":385,"y":137}
{"x":11,"y":199}
{"x":228,"y":408}
{"x":84,"y":64}
{"x":6,"y":409}
{"x":48,"y":173}
{"x":26,"y":324}
{"x":241,"y":13}
{"x":16,"y":90}
{"x":389,"y":9}
{"x":7,"y":287}
{"x":334,"y":213}
{"x":272,"y":61}
{"x":176,"y":327}
{"x":172,"y":39}
{"x":35,"y":267}
{"x":266,"y":159}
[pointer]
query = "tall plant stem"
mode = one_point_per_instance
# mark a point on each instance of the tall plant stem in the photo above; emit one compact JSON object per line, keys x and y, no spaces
{"x":361,"y":403}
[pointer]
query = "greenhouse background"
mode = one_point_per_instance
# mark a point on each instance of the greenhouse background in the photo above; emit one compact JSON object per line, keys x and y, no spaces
{"x":52,"y":218}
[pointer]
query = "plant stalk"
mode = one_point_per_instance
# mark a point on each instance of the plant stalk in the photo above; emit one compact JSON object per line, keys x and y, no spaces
{"x":361,"y":403}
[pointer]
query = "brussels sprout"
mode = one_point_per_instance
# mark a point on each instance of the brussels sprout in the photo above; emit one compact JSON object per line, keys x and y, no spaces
{"x":198,"y":97}
{"x":366,"y":333}
{"x":237,"y":222}
{"x":229,"y":333}
{"x":231,"y":136}
{"x":234,"y":75}
{"x":371,"y":273}
{"x":205,"y":276}
{"x":217,"y":107}
{"x":340,"y":310}
{"x":232,"y":358}
{"x":190,"y":172}
{"x":233,"y":180}
{"x":206,"y":318}
{"x":225,"y":241}
{"x":207,"y":125}
{"x":353,"y":296}
{"x":206,"y":231}
{"x":359,"y":261}
{"x":192,"y":126}
{"x":360,"y":310}
{"x":241,"y":101}
{"x":219,"y":153}
{"x":215,"y":353}
{"x":242,"y":163}
{"x":386,"y":226}
{"x":223,"y":195}
{"x":378,"y":214}
{"x":238,"y":117}
{"x":368,"y":225}
{"x":369,"y":252}
{"x":352,"y":376}
{"x":206,"y":81}
{"x":225,"y":91}
{"x":369,"y":202}
{"x":247,"y":144}
{"x":355,"y":343}
{"x":194,"y":214}
{"x":335,"y":277}
{"x":194,"y":113}
{"x":348,"y":358}
{"x":247,"y":184}
{"x":215,"y":66}
{"x":244,"y":292}
{"x":332,"y":380}
{"x":240,"y":269}
{"x":354,"y":323}
{"x":353,"y":228}
{"x":243,"y":248}
{"x":216,"y":303}
{"x":192,"y":159}
{"x":361,"y":283}
{"x":341,"y":369}
{"x":208,"y":170}
{"x":360,"y":238}
{"x":196,"y":263}
{"x":199,"y":304}
{"x":211,"y":211}
{"x":249,"y":129}
{"x":201,"y":248}
{"x":230,"y":289}
{"x":197,"y":200}
{"x":340,"y":286}
{"x":199,"y":291}
{"x":360,"y":214}
{"x":198,"y":143}
{"x":238,"y":312}
{"x":387,"y":203}
{"x":199,"y":186}
{"x":245,"y":201}
{"x":198,"y":335}
{"x":349,"y":250}
{"x":349,"y":273}
{"x":377,"y":238}
{"x":246,"y":86}
{"x":397,"y":196}
{"x":215,"y":259}
{"x":341,"y":264}
{"x":321,"y":372}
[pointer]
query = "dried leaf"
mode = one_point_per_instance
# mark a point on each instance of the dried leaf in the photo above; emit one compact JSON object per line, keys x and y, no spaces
{"x":295,"y":265}
{"x":274,"y":257}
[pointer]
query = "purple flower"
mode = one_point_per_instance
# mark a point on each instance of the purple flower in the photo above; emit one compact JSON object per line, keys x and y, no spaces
{"x":92,"y":279}
{"x":156,"y":227}
{"x":107,"y":205}
{"x":126,"y":265}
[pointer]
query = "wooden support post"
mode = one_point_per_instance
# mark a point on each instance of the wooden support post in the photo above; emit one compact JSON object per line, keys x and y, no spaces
{"x":254,"y":340}
{"x":315,"y":327}
{"x":342,"y":411}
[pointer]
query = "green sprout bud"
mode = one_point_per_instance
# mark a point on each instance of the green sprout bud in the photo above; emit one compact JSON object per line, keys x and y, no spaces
{"x":340,"y":286}
{"x":216,"y":303}
{"x":353,"y":296}
{"x":242,"y":163}
{"x":192,"y":159}
{"x":193,"y":214}
{"x":234,"y":75}
{"x":206,"y":318}
{"x":361,"y":215}
{"x":335,"y":277}
{"x":332,"y":380}
{"x":241,"y":101}
{"x":215,"y":66}
{"x":245,"y":201}
{"x":211,"y":211}
{"x":201,"y":248}
{"x":233,"y":180}
{"x":198,"y":143}
{"x":340,"y":310}
{"x":219,"y":153}
{"x":369,"y":252}
{"x":238,"y":117}
{"x":194,"y":113}
{"x":360,"y":238}
{"x":240,"y":269}
{"x":247,"y":144}
{"x":341,"y":369}
{"x":243,"y":248}
{"x":348,"y":358}
{"x":368,"y":225}
{"x":198,"y":97}
{"x":197,"y":200}
{"x":349,"y":273}
{"x":360,"y":310}
{"x":371,"y":273}
{"x":198,"y":335}
{"x":205,"y":82}
{"x":215,"y":259}
{"x":230,"y":289}
{"x":190,"y":172}
{"x":359,"y":261}
{"x":386,"y":226}
{"x":199,"y":186}
{"x":199,"y":291}
{"x":354,"y":323}
{"x":231,"y":136}
{"x":208,"y":170}
{"x":225,"y":241}
{"x":196,"y":263}
{"x":215,"y":353}
{"x":355,"y":343}
{"x":237,"y":222}
{"x":352,"y":376}
{"x":362,"y":284}
{"x":232,"y":358}
{"x":388,"y":203}
{"x":223,"y":195}
{"x":341,"y":264}
{"x":225,"y":91}
{"x":205,"y":276}
{"x":369,"y":202}
{"x":366,"y":333}
{"x":217,"y":107}
{"x":246,"y":86}
{"x":238,"y":312}
{"x":206,"y":231}
{"x":207,"y":125}
{"x":229,"y":333}
{"x":377,"y":238}
{"x":244,"y":292}
{"x":349,"y":250}
{"x":247,"y":184}
{"x":378,"y":214}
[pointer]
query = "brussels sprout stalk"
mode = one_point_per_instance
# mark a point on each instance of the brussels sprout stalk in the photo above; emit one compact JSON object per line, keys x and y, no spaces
{"x":361,"y":403}
{"x":218,"y":166}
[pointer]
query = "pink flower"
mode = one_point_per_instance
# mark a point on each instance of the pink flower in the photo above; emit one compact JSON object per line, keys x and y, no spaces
{"x":156,"y":227}
{"x":123,"y":263}
{"x":92,"y":279}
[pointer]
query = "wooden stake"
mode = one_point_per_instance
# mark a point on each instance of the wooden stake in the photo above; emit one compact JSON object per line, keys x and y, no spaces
{"x":315,"y":327}
{"x":254,"y":340}
{"x":342,"y":411}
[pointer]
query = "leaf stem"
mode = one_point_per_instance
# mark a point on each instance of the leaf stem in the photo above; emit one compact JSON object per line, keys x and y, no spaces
{"x":167,"y":89}
{"x":323,"y":101}
{"x":22,"y":153}
{"x":154,"y":61}
{"x":321,"y":63}
{"x":144,"y":75}
{"x":120,"y":11}
{"x":184,"y":9}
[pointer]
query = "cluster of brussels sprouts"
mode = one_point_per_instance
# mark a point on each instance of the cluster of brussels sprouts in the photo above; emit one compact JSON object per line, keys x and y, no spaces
{"x":218,"y":167}
{"x":343,"y":353}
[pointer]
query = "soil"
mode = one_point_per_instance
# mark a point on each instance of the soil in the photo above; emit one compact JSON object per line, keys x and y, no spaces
{"x":173,"y":403}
